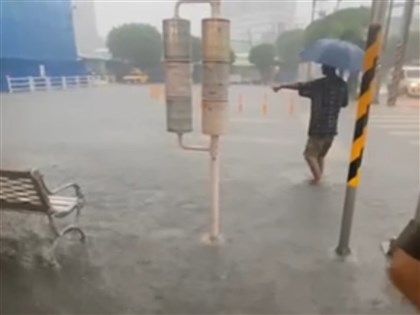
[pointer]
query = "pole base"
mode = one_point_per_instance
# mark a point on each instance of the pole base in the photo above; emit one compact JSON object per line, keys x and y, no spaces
{"x":346,"y":256}
{"x":343,"y":252}
{"x":212,"y":240}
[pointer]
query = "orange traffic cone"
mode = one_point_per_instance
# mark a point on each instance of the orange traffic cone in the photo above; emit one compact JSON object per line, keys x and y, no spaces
{"x":151,"y":92}
{"x":156,"y":93}
{"x":292,"y":105}
{"x":265,"y":105}
{"x":161,"y":94}
{"x":240,"y":104}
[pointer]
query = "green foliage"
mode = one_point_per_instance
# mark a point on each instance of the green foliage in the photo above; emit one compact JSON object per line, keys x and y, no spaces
{"x":347,"y":24}
{"x":139,"y":44}
{"x":262,"y":56}
{"x":288,"y":46}
{"x":354,"y":36}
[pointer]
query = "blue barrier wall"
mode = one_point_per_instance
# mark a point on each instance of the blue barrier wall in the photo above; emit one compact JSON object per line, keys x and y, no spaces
{"x":35,"y":33}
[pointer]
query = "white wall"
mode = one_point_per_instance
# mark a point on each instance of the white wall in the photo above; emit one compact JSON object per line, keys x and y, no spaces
{"x":84,"y":21}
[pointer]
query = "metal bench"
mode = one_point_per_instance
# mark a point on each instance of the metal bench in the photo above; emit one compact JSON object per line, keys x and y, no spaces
{"x":27,"y":191}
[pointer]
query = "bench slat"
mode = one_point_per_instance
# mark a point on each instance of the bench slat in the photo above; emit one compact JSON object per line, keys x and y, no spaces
{"x":19,"y":193}
{"x":62,"y":200}
{"x":19,"y":190}
{"x":26,"y":191}
{"x":62,"y":205}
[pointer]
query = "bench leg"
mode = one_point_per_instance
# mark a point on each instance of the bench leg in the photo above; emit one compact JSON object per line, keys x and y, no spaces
{"x":58,"y":234}
{"x":53,"y":227}
{"x":74,"y":228}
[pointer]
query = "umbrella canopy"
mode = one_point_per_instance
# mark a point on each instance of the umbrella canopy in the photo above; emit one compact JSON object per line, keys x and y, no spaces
{"x":335,"y":53}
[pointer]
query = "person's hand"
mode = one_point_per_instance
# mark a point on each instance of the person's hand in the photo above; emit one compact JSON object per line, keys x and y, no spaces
{"x":277,"y":88}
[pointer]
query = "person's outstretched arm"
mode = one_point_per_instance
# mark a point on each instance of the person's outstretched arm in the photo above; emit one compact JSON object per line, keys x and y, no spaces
{"x":293,"y":86}
{"x":305,"y":89}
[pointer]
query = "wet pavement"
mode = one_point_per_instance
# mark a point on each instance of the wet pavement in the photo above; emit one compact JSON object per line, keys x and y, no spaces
{"x":148,"y":206}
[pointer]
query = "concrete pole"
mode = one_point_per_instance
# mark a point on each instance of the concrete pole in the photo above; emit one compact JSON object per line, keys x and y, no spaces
{"x":381,"y":70}
{"x":215,"y":234}
{"x":372,"y":53}
{"x":388,"y":25}
{"x":400,"y":54}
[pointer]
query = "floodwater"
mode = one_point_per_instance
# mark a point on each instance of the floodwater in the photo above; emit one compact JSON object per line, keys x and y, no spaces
{"x":148,"y":207}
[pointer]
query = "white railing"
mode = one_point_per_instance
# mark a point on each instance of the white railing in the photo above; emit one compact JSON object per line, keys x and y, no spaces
{"x":32,"y":84}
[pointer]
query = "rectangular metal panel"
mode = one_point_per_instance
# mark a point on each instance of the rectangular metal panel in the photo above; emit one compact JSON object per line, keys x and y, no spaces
{"x":176,"y":39}
{"x":216,"y":40}
{"x":179,"y":115}
{"x":178,"y":80}
{"x":214,"y":117}
{"x":216,"y":81}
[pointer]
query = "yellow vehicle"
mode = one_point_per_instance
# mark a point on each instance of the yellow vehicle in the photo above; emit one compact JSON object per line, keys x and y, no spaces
{"x":136,"y":76}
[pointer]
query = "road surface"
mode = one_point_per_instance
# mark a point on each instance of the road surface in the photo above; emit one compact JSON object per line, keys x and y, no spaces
{"x":148,"y":206}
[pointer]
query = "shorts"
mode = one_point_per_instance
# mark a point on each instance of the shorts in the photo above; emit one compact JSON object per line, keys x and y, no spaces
{"x":318,"y":146}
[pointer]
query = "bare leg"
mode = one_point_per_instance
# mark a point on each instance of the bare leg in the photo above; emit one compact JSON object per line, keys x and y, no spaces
{"x":315,"y":168}
{"x":321,"y":163}
{"x":325,"y":148}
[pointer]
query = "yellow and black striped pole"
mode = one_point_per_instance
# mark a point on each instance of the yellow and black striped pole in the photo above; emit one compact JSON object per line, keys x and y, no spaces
{"x":367,"y":93}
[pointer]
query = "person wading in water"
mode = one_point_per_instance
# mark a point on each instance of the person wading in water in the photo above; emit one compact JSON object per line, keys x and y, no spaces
{"x":328,"y":95}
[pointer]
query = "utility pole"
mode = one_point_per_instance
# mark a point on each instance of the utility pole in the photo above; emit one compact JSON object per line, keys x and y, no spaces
{"x":367,"y":88}
{"x":388,"y":25}
{"x":313,"y":10}
{"x":337,"y":5}
{"x":400,"y":54}
{"x":381,"y":70}
{"x":309,"y":69}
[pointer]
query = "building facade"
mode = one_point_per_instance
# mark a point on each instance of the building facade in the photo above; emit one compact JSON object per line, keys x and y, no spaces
{"x":37,"y":35}
{"x":259,"y":21}
{"x":88,"y":42}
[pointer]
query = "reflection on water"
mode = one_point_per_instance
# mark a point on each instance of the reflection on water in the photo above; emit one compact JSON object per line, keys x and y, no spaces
{"x":74,"y":288}
{"x":31,"y":283}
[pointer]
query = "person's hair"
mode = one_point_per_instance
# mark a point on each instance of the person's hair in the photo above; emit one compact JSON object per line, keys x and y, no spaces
{"x":328,"y":70}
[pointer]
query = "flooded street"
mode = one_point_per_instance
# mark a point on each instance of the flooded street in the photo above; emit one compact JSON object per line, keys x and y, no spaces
{"x":148,"y":207}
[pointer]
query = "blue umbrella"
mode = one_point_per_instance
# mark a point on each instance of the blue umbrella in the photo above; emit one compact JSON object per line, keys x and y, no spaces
{"x":335,"y":53}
